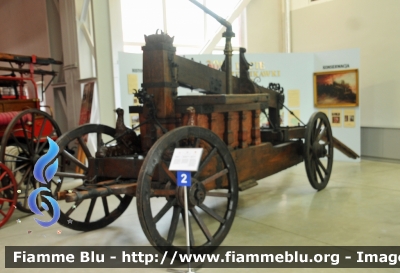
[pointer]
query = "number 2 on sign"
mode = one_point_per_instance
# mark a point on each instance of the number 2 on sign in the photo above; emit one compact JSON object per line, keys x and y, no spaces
{"x":184,"y":178}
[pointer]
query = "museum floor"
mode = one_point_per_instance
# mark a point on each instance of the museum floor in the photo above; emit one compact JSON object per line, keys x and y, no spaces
{"x":359,"y":207}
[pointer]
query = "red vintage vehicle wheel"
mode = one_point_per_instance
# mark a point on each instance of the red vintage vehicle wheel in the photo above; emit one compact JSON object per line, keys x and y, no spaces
{"x":8,"y":194}
{"x":23,"y":143}
{"x":212,"y":198}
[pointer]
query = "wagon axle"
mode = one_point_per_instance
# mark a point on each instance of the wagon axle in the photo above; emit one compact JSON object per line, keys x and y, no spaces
{"x":102,"y":189}
{"x":319,"y":150}
{"x":196,"y":194}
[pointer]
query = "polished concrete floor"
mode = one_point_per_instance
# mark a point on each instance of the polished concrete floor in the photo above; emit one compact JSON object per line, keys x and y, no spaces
{"x":359,"y":207}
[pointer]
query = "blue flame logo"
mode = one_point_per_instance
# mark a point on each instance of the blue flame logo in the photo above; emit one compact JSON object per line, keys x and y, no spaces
{"x":44,"y":170}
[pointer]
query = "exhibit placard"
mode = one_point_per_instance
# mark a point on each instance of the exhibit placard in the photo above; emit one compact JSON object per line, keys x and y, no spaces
{"x":336,"y":118}
{"x":349,"y":118}
{"x":186,"y":159}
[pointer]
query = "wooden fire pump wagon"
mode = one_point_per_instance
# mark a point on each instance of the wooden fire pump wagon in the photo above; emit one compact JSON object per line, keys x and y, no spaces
{"x":224,"y":120}
{"x":24,"y":129}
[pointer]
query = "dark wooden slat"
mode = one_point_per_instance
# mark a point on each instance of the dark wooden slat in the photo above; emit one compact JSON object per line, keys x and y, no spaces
{"x":201,"y":224}
{"x":219,"y":194}
{"x":90,"y":210}
{"x":205,"y":161}
{"x":203,"y":76}
{"x":27,"y":71}
{"x":105,"y":206}
{"x":129,"y":189}
{"x":5,"y":57}
{"x":222,"y":108}
{"x":221,"y":99}
{"x":257,"y":162}
{"x":212,"y":213}
{"x":174,"y":224}
{"x":342,"y":147}
{"x":17,"y":105}
{"x":74,"y":160}
{"x":164,"y":210}
{"x":122,"y":167}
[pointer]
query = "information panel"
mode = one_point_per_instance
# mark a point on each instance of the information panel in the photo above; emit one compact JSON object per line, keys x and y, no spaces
{"x":186,"y":159}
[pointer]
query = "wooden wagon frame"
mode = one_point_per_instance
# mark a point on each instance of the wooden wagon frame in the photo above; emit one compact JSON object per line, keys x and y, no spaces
{"x":224,"y":121}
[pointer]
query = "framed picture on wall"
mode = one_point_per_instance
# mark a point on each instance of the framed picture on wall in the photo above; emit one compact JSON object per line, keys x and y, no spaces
{"x":336,"y":88}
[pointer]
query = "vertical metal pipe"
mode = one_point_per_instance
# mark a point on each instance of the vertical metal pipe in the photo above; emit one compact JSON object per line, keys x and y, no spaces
{"x":187,"y":227}
{"x":228,"y":34}
{"x":228,"y":61}
{"x":164,"y":7}
{"x":288,"y":29}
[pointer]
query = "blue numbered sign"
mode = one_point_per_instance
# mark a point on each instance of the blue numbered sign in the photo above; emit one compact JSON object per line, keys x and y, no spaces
{"x":184,"y":178}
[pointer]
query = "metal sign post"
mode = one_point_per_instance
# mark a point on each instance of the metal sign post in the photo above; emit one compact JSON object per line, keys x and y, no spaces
{"x":184,"y":179}
{"x":184,"y":161}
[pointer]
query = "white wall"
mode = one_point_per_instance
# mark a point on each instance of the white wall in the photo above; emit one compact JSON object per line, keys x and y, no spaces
{"x":349,"y":136}
{"x":374,"y":28}
{"x":24,"y":31}
{"x":371,"y":26}
{"x":298,"y":4}
{"x":264,"y":26}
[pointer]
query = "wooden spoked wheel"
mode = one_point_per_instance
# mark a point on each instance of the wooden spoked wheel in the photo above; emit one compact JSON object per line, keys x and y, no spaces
{"x":8,"y":194}
{"x":212,"y":198}
{"x":23,"y":143}
{"x":318,"y":150}
{"x":76,"y":146}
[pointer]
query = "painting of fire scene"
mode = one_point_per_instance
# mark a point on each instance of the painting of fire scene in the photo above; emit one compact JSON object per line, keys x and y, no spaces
{"x":336,"y":88}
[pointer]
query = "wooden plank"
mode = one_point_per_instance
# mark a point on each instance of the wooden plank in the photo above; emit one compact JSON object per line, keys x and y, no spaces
{"x":245,"y":129}
{"x":86,"y":107}
{"x":129,"y":189}
{"x":4,"y":57}
{"x":204,"y":75}
{"x":86,"y":112}
{"x":26,"y":71}
{"x":218,"y":124}
{"x":17,"y":105}
{"x":199,"y":76}
{"x":113,"y":167}
{"x":294,"y":132}
{"x":342,"y":147}
{"x":231,"y":136}
{"x":284,"y":134}
{"x":257,"y":162}
{"x":222,"y":108}
{"x":221,"y":99}
{"x":159,"y":80}
{"x":270,"y":135}
{"x":255,"y":129}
